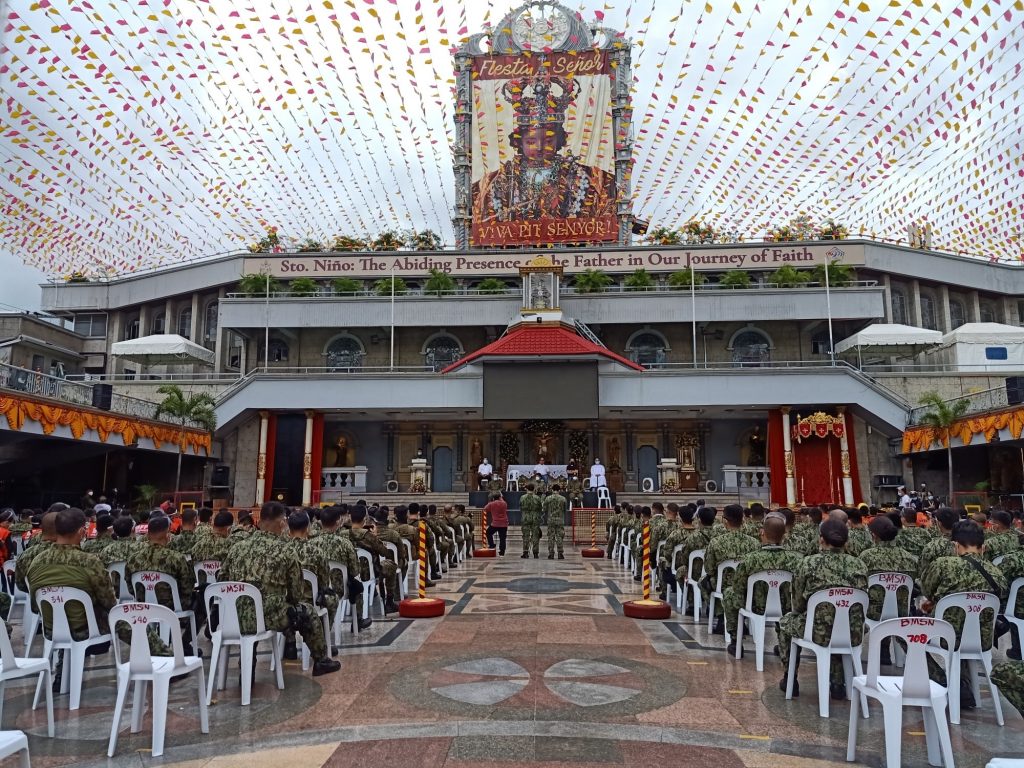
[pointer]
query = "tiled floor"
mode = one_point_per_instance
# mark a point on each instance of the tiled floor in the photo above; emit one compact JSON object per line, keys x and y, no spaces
{"x":533,"y":664}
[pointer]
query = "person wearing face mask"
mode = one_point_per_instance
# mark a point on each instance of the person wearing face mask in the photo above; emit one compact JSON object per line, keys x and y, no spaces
{"x":263,"y":560}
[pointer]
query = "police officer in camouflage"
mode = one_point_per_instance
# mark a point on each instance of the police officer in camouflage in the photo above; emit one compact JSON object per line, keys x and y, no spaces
{"x":531,"y":507}
{"x":339,"y":549}
{"x":383,"y":566}
{"x":261,"y":559}
{"x":731,"y":545}
{"x":154,"y":554}
{"x":185,"y":539}
{"x":554,"y":513}
{"x":860,"y":537}
{"x":941,"y":544}
{"x":831,"y":567}
{"x":1000,"y":538}
{"x":886,"y":556}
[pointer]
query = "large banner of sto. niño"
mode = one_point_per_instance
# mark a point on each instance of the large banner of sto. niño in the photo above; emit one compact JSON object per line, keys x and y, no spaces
{"x":755,"y":257}
{"x":543,"y":167}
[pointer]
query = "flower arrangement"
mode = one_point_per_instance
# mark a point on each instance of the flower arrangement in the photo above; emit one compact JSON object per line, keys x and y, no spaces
{"x":830,"y":230}
{"x":76,"y":277}
{"x":669,"y":484}
{"x":418,"y":486}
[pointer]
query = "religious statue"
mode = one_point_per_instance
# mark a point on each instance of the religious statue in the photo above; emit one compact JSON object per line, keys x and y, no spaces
{"x":339,"y":454}
{"x":540,"y":296}
{"x":542,"y":446}
{"x":476,"y":451}
{"x":756,"y":448}
{"x":612,"y":454}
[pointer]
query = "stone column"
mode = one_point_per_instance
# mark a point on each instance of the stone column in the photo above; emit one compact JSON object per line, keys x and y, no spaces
{"x":307,"y":462}
{"x":261,"y":460}
{"x":973,"y":307}
{"x":193,"y":330}
{"x":787,"y":447}
{"x":460,"y":458}
{"x":844,"y":460}
{"x":170,"y":321}
{"x":914,"y":296}
{"x":887,"y":297}
{"x":144,"y":312}
{"x":389,"y":432}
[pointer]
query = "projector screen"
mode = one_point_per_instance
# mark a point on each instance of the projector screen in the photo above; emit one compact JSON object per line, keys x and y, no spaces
{"x":540,"y":390}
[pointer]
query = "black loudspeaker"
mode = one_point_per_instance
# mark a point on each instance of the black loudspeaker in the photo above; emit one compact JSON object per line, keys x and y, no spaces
{"x":1015,"y":390}
{"x":221,"y":476}
{"x":102,"y":395}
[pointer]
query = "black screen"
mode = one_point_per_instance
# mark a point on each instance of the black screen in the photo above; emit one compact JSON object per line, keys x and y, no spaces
{"x":540,"y":390}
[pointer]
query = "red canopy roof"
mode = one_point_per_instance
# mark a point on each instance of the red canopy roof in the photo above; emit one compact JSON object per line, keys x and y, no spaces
{"x":542,"y":341}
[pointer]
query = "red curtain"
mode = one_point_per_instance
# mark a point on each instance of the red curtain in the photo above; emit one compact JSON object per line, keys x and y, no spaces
{"x":776,"y":458}
{"x":817,"y":470}
{"x":318,"y":453}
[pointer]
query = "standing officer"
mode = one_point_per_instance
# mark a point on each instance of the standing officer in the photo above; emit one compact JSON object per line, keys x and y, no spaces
{"x":554,"y":512}
{"x":531,"y":507}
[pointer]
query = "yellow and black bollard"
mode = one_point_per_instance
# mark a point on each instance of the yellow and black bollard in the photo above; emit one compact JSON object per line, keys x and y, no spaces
{"x":485,"y":549}
{"x":593,"y":550}
{"x":421,"y":607}
{"x":647,"y":608}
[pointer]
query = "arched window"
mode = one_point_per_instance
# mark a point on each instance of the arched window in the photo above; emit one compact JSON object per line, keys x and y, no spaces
{"x":278,"y":351}
{"x":185,"y":323}
{"x":131,"y":329}
{"x":899,"y":306}
{"x":647,"y":347}
{"x":441,"y":350}
{"x":210,"y":323}
{"x":159,"y":323}
{"x":988,"y":312}
{"x":344,"y":351}
{"x":957,"y":313}
{"x":751,"y":347}
{"x":928,"y":312}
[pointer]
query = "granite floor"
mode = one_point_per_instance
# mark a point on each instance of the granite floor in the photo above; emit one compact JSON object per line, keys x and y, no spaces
{"x":533,"y":664}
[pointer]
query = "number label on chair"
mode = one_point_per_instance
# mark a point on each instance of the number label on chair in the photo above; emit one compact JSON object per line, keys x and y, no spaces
{"x":774,"y":584}
{"x":140,"y":620}
{"x":920,"y":639}
{"x":842,"y":603}
{"x":54,"y":593}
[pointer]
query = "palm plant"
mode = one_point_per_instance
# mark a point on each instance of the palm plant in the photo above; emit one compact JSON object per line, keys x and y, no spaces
{"x":592,"y":281}
{"x":348,"y":243}
{"x":737,"y":278}
{"x":258,"y":284}
{"x":387,"y":241}
{"x":195,"y":409}
{"x":788,"y":276}
{"x":439,"y":283}
{"x":383,"y":287}
{"x":940,"y":417}
{"x":427,"y":240}
{"x":146,"y":498}
{"x":304,"y":286}
{"x":491,"y":285}
{"x":346,"y":285}
{"x":686,"y":278}
{"x":640,"y":280}
{"x":838,"y":274}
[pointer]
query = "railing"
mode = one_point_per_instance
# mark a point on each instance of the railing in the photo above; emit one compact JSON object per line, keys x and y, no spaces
{"x":746,"y":481}
{"x":143,"y":378}
{"x":76,"y":393}
{"x":977,"y":402}
{"x":336,"y":481}
{"x":990,"y":367}
{"x":363,"y":370}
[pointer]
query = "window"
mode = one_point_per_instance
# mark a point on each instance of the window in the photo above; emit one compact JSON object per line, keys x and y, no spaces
{"x":278,"y":351}
{"x":185,"y":323}
{"x":345,"y":351}
{"x":899,"y":306}
{"x":928,"y":312}
{"x":819,"y":344}
{"x":131,"y":329}
{"x":1020,"y":312}
{"x":159,"y":322}
{"x":38,"y":361}
{"x":92,"y":326}
{"x":995,"y":353}
{"x":957,"y":313}
{"x":210,"y":323}
{"x":647,"y":348}
{"x":988,"y":312}
{"x":441,"y":350}
{"x":234,"y":351}
{"x":750,"y":348}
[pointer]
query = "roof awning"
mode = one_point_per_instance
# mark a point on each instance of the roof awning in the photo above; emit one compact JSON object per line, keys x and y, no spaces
{"x":32,"y":341}
{"x":890,"y":339}
{"x":162,"y":349}
{"x":984,"y":333}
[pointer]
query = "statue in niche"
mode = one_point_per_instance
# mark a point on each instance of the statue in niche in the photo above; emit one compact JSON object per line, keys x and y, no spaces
{"x":542,"y":446}
{"x":540,"y":296}
{"x":339,"y":452}
{"x":686,"y":450}
{"x":476,"y":451}
{"x":612,"y":452}
{"x":754,"y":450}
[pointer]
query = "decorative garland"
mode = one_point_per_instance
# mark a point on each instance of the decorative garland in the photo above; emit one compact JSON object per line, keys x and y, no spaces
{"x":579,"y":446}
{"x":509,"y":448}
{"x":918,"y":439}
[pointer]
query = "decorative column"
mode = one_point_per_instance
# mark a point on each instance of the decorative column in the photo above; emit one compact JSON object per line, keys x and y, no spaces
{"x":460,"y":458}
{"x":307,"y":462}
{"x":787,"y":447}
{"x":844,"y":459}
{"x":261,"y":460}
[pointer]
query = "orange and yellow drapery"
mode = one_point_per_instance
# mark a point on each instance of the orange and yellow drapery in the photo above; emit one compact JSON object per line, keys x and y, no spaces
{"x":18,"y":410}
{"x":988,"y":425}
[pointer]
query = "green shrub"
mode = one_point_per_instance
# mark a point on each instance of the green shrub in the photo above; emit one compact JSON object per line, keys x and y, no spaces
{"x":346,"y":285}
{"x":256,"y":285}
{"x":492,"y":285}
{"x":640,"y":280}
{"x":592,"y":281}
{"x":304,"y":286}
{"x":737,"y":278}
{"x":439,"y":283}
{"x":383,"y":286}
{"x":788,"y":276}
{"x":684,"y":278}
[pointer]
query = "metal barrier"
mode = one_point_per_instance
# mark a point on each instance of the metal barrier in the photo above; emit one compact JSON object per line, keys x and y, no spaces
{"x":581,"y":521}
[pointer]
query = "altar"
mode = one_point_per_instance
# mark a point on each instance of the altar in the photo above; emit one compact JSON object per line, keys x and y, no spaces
{"x":526,"y":471}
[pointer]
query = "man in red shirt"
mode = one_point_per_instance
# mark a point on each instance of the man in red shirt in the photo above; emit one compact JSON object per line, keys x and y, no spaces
{"x":497,"y":521}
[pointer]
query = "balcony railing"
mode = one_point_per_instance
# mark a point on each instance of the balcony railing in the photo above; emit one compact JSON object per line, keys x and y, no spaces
{"x":977,"y":402}
{"x":78,"y":393}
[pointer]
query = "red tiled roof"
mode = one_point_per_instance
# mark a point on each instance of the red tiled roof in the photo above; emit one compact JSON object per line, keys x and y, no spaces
{"x":543,"y":341}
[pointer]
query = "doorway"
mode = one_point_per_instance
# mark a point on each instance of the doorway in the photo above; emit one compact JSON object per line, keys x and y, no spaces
{"x":442,"y":470}
{"x":647,"y":465}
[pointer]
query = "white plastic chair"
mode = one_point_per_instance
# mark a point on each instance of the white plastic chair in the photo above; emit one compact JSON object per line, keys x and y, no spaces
{"x":321,"y":613}
{"x":208,"y":568}
{"x":229,"y":633}
{"x":840,"y":644}
{"x":512,"y":481}
{"x":617,"y":544}
{"x":17,"y":596}
{"x":895,"y":605}
{"x":31,"y":620}
{"x":14,"y":668}
{"x":124,"y":594}
{"x":691,"y":585}
{"x":604,"y":497}
{"x":12,"y":742}
{"x":370,"y":585}
{"x":968,"y":649}
{"x":758,"y":622}
{"x":392,"y":549}
{"x":142,"y":668}
{"x":149,"y":580}
{"x":912,"y":689}
{"x":412,"y":573}
{"x":344,"y":606}
{"x":717,"y":593}
{"x":647,"y":485}
{"x":61,"y":639}
{"x":1017,"y":622}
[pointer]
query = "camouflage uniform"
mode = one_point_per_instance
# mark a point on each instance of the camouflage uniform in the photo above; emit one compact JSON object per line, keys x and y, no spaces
{"x":118,"y":551}
{"x":363,"y":539}
{"x":410,"y":532}
{"x":1009,"y":678}
{"x":770,"y":557}
{"x":184,"y":542}
{"x":949,"y":575}
{"x":390,"y":534}
{"x":530,"y":504}
{"x":941,"y":546}
{"x":1012,"y":568}
{"x":454,"y":532}
{"x":210,"y":548}
{"x":147,"y":556}
{"x":312,"y":560}
{"x":829,"y":568}
{"x":611,"y":527}
{"x":23,"y":562}
{"x":466,"y":522}
{"x":64,"y":565}
{"x":731,"y":545}
{"x":97,"y":545}
{"x":260,"y":559}
{"x":999,"y":544}
{"x":860,"y":539}
{"x":913,"y":539}
{"x":752,"y":528}
{"x":675,"y":537}
{"x":698,"y":539}
{"x":440,"y":537}
{"x":799,"y":536}
{"x":887,"y":556}
{"x":554,"y":512}
{"x":339,"y":549}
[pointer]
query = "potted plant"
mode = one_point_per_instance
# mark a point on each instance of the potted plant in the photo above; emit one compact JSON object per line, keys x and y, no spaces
{"x":439,"y":283}
{"x":685,"y":278}
{"x":383,"y":287}
{"x":258,"y":284}
{"x":640,"y":280}
{"x":491,"y":286}
{"x":309,"y":245}
{"x":346,"y":285}
{"x":940,"y":418}
{"x":737,"y":278}
{"x":146,"y":496}
{"x":664,"y":236}
{"x":592,"y":281}
{"x":269,"y":243}
{"x":303,"y":286}
{"x":387,"y":241}
{"x":696,"y":231}
{"x":348,"y":243}
{"x":427,"y":240}
{"x":788,"y":276}
{"x":830,"y":230}
{"x":838,"y":274}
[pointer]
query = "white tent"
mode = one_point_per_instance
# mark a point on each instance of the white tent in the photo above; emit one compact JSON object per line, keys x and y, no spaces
{"x":983,"y":347}
{"x":162,"y":349}
{"x":890,"y":339}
